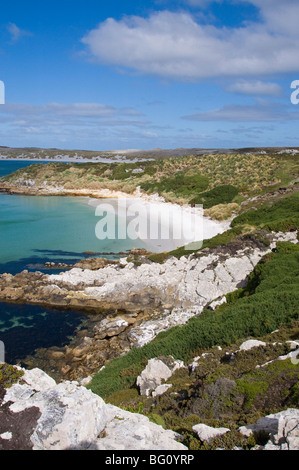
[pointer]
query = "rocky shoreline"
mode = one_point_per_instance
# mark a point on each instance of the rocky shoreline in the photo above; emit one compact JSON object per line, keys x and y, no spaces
{"x":129,"y":302}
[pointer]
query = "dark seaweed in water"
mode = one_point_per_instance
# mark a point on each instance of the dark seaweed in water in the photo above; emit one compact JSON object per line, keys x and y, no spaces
{"x":25,"y":328}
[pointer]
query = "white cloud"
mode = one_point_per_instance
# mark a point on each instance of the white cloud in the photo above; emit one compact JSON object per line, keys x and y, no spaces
{"x":67,"y":113}
{"x":87,"y":120}
{"x":16,"y":32}
{"x":175,"y":45}
{"x":261,"y":111}
{"x":255,"y":88}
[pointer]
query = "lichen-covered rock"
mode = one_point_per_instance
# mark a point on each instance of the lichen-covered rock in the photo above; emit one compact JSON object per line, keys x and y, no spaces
{"x":38,"y":414}
{"x":251,"y":343}
{"x":64,"y":409}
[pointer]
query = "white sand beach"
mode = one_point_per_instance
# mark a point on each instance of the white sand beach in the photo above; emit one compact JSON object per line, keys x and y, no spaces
{"x":162,"y":226}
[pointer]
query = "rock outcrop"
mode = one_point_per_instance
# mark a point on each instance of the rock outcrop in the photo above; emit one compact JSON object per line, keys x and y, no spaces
{"x":192,"y":281}
{"x":38,"y":414}
{"x":282,"y":429}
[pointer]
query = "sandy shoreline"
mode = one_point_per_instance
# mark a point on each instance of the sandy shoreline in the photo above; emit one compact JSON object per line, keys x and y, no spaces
{"x":162,"y":226}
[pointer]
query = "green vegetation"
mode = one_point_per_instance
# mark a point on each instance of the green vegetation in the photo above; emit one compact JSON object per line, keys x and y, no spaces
{"x":220,"y":195}
{"x":229,"y":393}
{"x":211,"y":178}
{"x":9,"y":375}
{"x":282,"y":215}
{"x":181,"y":184}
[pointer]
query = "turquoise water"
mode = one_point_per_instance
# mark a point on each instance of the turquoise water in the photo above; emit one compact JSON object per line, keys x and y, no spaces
{"x":38,"y":229}
{"x":34,"y":230}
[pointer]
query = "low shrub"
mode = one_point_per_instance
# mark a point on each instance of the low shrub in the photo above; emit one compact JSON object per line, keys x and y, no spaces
{"x":9,"y":375}
{"x":282,"y":215}
{"x":219,"y":195}
{"x":222,"y":211}
{"x":181,"y":184}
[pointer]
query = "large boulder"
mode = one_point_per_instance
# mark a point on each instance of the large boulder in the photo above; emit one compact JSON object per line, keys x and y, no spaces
{"x":70,"y":416}
{"x":206,"y":433}
{"x":156,"y":372}
{"x":38,"y":414}
{"x":251,"y":343}
{"x":132,"y":431}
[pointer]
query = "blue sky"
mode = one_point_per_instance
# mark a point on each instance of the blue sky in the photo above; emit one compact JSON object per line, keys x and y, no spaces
{"x":114,"y":75}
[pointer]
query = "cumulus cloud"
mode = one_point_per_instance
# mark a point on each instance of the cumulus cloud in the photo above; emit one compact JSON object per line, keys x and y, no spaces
{"x":176,"y":45}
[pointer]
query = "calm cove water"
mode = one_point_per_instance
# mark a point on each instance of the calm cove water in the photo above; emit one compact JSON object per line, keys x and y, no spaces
{"x":34,"y":230}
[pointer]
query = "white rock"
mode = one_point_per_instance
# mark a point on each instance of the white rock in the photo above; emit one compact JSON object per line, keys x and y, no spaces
{"x":155,"y":373}
{"x":283,"y":429}
{"x":161,"y":389}
{"x":6,"y":436}
{"x":206,"y":433}
{"x":73,"y":418}
{"x":251,"y":343}
{"x":131,"y":431}
{"x":152,"y":376}
{"x":38,"y":380}
{"x":179,"y":283}
{"x":217,"y":303}
{"x":63,"y":423}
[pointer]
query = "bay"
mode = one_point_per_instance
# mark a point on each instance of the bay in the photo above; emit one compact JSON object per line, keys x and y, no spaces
{"x":34,"y":230}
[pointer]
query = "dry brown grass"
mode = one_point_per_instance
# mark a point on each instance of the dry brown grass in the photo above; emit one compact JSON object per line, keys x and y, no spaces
{"x":222,"y":211}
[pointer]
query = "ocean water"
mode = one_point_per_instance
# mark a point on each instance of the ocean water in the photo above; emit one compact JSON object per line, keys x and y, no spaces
{"x":34,"y":230}
{"x":25,"y":328}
